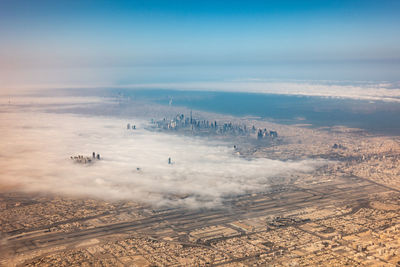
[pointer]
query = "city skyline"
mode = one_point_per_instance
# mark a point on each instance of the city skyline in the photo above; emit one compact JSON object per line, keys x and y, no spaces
{"x":199,"y":133}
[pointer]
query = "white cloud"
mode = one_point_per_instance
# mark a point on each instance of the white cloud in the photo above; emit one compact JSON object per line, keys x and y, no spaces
{"x":36,"y":147}
{"x":385,"y":91}
{"x":362,"y":90}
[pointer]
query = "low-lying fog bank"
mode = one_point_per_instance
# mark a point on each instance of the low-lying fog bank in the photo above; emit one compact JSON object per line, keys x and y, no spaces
{"x":35,"y":152}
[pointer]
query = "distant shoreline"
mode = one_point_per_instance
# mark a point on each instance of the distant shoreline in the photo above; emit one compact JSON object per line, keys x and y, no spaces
{"x":377,"y":117}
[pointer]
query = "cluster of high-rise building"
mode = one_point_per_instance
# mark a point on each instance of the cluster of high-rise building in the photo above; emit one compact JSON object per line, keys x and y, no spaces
{"x":182,"y":122}
{"x":129,"y":126}
{"x":265,"y":133}
{"x":190,"y":124}
{"x":85,"y":159}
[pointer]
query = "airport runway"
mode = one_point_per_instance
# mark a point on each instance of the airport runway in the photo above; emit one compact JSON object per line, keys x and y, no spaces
{"x":341,"y":192}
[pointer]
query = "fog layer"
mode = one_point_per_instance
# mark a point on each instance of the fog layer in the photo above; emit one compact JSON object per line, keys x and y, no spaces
{"x":35,"y":152}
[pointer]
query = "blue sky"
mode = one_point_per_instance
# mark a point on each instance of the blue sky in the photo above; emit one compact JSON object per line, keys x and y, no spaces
{"x":188,"y":40}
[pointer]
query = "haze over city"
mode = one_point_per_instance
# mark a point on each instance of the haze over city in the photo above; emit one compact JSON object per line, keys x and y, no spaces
{"x":199,"y":133}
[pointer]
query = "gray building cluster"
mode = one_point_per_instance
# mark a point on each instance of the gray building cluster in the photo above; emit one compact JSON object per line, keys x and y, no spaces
{"x":265,"y":133}
{"x":128,"y":126}
{"x":85,"y":159}
{"x":180,"y":122}
{"x":188,"y":123}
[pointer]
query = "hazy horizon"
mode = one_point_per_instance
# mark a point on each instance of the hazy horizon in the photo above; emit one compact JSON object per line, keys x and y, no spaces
{"x":95,"y":42}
